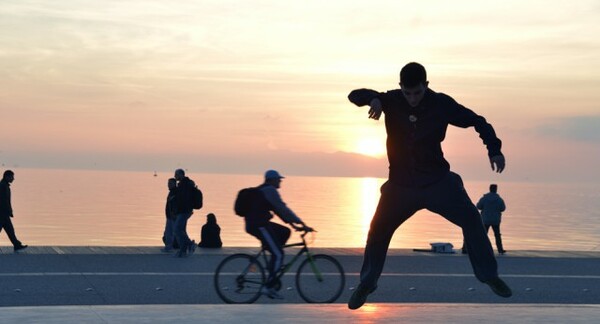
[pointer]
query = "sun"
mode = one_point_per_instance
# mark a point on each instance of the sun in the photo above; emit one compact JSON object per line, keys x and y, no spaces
{"x":374,"y":147}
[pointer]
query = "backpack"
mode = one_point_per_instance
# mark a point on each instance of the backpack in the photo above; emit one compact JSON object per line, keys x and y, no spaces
{"x":247,"y":201}
{"x":196,"y":197}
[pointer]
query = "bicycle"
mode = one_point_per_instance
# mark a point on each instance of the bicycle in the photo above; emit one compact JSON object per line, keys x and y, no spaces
{"x":240,"y":277}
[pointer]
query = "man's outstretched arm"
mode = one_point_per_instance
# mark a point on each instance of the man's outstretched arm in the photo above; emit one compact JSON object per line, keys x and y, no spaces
{"x":279,"y":207}
{"x":464,"y":117}
{"x":362,"y":97}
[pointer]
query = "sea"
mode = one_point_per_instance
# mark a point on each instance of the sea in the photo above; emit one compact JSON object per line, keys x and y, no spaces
{"x":123,"y":208}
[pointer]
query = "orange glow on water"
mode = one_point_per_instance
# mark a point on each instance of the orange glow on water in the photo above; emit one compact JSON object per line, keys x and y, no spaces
{"x":81,"y":207}
{"x":369,"y":200}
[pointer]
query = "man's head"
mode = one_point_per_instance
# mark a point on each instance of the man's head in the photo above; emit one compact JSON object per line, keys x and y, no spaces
{"x":493,"y":188}
{"x":172,"y":183}
{"x":211,"y":218}
{"x":179,"y":174}
{"x":9,"y":176}
{"x":413,"y":83}
{"x":273,"y":178}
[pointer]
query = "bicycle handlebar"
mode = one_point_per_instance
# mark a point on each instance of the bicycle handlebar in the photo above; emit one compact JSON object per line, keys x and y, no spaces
{"x":306,"y":231}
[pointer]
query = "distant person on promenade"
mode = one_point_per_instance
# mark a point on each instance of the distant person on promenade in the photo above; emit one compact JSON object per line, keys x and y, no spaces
{"x":416,"y":119}
{"x":272,"y":235}
{"x":492,"y":206}
{"x":6,"y":211}
{"x":169,"y":233}
{"x":210,"y":236}
{"x":183,"y":211}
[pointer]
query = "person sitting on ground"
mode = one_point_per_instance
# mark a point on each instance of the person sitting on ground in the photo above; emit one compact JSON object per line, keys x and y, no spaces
{"x":210,"y":237}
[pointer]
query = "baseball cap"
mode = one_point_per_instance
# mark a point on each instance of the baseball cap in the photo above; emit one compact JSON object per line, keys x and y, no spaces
{"x":272,"y":174}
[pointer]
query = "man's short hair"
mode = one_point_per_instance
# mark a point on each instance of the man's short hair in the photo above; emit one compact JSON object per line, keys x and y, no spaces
{"x":493,"y":187}
{"x":412,"y":75}
{"x":180,"y":172}
{"x":7,"y":173}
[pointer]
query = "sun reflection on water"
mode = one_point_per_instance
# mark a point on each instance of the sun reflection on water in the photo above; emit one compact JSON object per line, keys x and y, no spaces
{"x":368,"y":202}
{"x":339,"y":208}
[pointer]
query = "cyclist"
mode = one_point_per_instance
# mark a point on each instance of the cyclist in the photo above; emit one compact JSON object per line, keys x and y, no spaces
{"x":272,"y":235}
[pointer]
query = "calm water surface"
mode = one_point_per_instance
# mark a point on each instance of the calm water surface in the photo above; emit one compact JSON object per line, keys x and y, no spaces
{"x":95,"y":208}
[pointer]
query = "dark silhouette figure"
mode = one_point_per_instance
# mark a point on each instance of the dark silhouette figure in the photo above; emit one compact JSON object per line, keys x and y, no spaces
{"x":183,"y":211}
{"x":6,"y":211}
{"x":169,"y":233}
{"x":210,"y":237}
{"x":492,"y":206}
{"x":272,"y":235}
{"x":416,"y":119}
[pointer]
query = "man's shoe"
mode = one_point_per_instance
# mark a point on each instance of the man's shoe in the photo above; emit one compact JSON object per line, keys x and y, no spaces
{"x":502,"y":252}
{"x":359,"y":297}
{"x":192,"y":247}
{"x":20,"y":247}
{"x":182,"y":253}
{"x":270,"y":292}
{"x":499,"y":287}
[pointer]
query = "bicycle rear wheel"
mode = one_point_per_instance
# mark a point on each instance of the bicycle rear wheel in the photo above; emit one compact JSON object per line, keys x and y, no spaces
{"x":239,"y":278}
{"x":320,"y":279}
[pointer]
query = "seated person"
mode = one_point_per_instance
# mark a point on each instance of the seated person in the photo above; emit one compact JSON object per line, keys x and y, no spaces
{"x":211,"y":233}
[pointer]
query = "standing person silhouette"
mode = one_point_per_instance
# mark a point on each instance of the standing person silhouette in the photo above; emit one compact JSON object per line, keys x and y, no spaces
{"x":169,"y":233}
{"x":492,"y":206}
{"x":416,"y":119}
{"x":6,"y":211}
{"x":183,"y":211}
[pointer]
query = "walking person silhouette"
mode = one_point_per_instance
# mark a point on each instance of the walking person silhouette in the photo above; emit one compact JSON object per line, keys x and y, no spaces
{"x":492,"y":206}
{"x":6,"y":211}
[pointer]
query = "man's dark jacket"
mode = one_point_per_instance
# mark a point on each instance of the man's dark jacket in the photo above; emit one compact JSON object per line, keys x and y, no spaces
{"x":170,"y":204}
{"x":415,"y":134}
{"x":5,"y":205}
{"x":183,"y":196}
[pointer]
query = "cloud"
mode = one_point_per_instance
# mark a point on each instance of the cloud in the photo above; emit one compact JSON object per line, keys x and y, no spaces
{"x":577,"y":128}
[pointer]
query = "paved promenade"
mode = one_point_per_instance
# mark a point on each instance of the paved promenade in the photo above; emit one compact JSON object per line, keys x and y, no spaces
{"x":141,"y":284}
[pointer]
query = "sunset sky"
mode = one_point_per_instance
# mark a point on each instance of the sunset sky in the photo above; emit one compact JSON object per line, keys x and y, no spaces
{"x":241,"y":86}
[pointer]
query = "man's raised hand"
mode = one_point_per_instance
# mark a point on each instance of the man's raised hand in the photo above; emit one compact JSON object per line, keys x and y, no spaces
{"x":376,"y":109}
{"x":498,"y":163}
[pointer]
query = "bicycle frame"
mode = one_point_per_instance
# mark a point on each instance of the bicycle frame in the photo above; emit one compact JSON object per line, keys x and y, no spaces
{"x":310,"y":275}
{"x":287,"y":266}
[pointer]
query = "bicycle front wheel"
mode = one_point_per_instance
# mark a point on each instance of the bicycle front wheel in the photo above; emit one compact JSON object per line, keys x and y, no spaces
{"x":320,"y":279}
{"x":239,"y":278}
